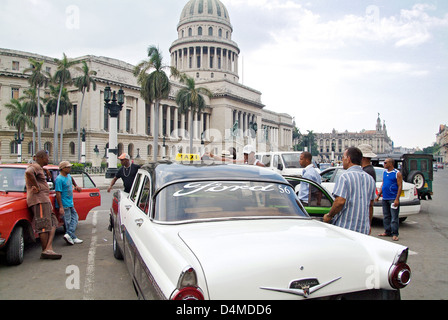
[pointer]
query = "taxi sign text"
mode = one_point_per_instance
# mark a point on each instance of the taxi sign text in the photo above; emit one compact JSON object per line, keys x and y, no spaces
{"x":187,"y":157}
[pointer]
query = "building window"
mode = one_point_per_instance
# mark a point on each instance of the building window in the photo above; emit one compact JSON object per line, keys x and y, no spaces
{"x":14,"y":147}
{"x":128,"y":121}
{"x":220,"y":33}
{"x":46,"y":122}
{"x":47,"y":147}
{"x":200,"y":31}
{"x":72,"y":148}
{"x":15,"y":93}
{"x":75,"y":117}
{"x":15,"y":66}
{"x":190,"y":32}
{"x":210,"y":31}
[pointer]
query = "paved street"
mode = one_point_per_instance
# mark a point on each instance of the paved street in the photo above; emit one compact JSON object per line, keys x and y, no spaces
{"x":89,"y":271}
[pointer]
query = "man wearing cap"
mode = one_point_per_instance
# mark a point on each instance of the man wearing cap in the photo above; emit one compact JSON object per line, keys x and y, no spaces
{"x":64,"y":201}
{"x":39,"y":203}
{"x":367,"y":155}
{"x":127,"y":173}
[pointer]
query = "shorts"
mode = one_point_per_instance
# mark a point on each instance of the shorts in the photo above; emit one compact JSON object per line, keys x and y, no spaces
{"x":43,"y":217}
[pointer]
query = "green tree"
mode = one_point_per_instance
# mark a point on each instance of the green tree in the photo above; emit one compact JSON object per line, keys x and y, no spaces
{"x":62,"y":77}
{"x":31,"y":101}
{"x":83,"y":83}
{"x":191,"y":99}
{"x":37,"y":79}
{"x":59,"y":104}
{"x":155,"y":86}
{"x":18,"y":117}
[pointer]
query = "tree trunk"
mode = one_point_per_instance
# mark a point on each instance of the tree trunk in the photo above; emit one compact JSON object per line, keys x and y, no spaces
{"x":156,"y":130}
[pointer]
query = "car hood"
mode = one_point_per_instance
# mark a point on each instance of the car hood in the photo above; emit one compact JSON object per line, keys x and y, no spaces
{"x":238,"y":258}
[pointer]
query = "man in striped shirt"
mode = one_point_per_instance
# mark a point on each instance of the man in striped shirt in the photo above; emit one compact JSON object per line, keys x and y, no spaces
{"x":354,"y":195}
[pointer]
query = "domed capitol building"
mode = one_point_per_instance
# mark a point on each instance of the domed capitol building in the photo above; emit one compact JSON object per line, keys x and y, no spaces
{"x":204,"y":51}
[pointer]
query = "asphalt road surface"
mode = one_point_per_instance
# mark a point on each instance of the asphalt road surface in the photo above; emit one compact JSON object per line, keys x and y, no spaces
{"x":89,"y":271}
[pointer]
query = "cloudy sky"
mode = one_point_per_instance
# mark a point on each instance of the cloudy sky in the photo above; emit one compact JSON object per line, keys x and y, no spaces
{"x":331,"y":64}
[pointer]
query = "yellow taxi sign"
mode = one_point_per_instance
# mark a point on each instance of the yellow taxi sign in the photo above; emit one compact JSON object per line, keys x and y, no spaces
{"x":187,"y":157}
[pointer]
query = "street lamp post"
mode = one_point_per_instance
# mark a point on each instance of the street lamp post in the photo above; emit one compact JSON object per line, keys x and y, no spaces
{"x":114,"y":108}
{"x":19,"y":139}
{"x":83,"y":146}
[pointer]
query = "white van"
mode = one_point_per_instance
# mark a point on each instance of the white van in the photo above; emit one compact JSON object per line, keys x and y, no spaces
{"x":284,"y":163}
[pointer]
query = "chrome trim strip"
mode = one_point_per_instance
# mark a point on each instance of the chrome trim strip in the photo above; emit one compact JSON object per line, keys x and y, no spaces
{"x":302,"y":292}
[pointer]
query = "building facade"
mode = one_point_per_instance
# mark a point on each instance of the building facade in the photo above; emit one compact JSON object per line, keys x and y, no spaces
{"x":204,"y":50}
{"x":332,"y":145}
{"x":442,"y":141}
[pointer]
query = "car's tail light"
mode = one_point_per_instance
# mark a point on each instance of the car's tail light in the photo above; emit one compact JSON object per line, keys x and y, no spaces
{"x":400,"y":276}
{"x":187,"y":286}
{"x":189,"y":293}
{"x":400,"y":272}
{"x":415,"y":192}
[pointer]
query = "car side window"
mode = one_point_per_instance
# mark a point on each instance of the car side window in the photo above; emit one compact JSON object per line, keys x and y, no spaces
{"x":145,"y":196}
{"x":326,"y":177}
{"x":135,"y":187}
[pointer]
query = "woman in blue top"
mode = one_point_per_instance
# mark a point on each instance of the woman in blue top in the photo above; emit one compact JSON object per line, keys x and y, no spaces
{"x":391,"y":192}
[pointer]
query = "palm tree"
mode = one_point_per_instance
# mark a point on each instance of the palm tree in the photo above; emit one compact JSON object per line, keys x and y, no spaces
{"x":154,"y":86}
{"x":59,"y":104}
{"x":37,"y":79}
{"x":18,"y":117}
{"x":32,"y":100}
{"x":62,"y":77}
{"x":83,"y":83}
{"x":191,"y":99}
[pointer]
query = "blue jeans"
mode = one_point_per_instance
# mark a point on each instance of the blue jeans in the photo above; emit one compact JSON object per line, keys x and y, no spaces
{"x":391,"y":220}
{"x":71,"y":221}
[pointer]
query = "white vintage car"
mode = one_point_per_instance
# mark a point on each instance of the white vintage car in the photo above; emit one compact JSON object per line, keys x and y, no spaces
{"x":231,"y":232}
{"x":409,"y":201}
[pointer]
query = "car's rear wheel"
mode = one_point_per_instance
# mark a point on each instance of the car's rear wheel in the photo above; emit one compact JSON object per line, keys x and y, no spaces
{"x":16,"y":247}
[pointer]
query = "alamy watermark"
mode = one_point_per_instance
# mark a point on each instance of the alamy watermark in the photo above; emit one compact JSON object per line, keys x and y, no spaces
{"x":73,"y":17}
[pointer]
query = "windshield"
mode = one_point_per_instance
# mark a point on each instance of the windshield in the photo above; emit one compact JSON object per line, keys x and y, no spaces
{"x":226,"y":199}
{"x":291,"y":160}
{"x":12,"y":179}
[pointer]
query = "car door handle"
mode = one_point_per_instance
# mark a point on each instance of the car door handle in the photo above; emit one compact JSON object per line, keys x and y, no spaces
{"x":128,"y":207}
{"x":139,"y":222}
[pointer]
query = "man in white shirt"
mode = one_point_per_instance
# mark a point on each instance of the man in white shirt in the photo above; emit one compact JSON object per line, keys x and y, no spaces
{"x":306,"y":161}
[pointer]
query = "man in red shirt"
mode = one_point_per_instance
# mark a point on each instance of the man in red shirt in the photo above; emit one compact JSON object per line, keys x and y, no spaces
{"x":38,"y":200}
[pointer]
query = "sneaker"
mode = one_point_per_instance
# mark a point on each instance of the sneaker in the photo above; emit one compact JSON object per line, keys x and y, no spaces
{"x":68,"y":239}
{"x":77,"y":241}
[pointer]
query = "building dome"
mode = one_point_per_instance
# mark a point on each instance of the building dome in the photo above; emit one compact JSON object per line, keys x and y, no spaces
{"x":204,"y":49}
{"x":205,"y":10}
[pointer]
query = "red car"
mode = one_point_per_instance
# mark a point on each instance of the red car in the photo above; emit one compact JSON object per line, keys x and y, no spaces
{"x":16,"y":219}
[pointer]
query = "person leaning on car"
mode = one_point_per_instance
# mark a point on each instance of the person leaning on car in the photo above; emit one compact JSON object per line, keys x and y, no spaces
{"x":127,"y":173}
{"x":38,"y":200}
{"x":354,"y":193}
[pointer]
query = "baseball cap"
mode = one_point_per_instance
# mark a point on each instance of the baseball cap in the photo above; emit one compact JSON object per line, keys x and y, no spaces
{"x":65,"y":164}
{"x":124,"y":156}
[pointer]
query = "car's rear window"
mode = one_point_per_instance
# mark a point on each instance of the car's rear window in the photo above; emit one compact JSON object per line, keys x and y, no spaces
{"x":226,"y":200}
{"x":12,"y":179}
